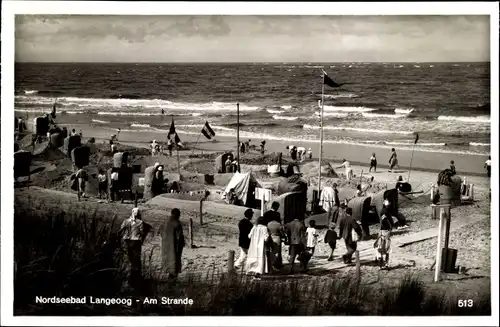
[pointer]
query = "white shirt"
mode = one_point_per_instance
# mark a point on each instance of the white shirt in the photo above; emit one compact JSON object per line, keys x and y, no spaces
{"x":312,"y":237}
{"x":487,"y":162}
{"x":101,"y":178}
{"x":346,"y":164}
{"x":114,"y":176}
{"x":301,"y":149}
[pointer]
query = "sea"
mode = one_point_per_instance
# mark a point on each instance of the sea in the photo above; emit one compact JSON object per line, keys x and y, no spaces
{"x":379,"y":104}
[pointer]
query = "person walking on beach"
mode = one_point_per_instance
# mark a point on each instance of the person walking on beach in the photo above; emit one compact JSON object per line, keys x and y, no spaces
{"x":245,"y":226}
{"x":331,"y":239}
{"x":452,"y":167}
{"x":277,"y":236}
{"x":296,"y":232}
{"x":82,"y":177}
{"x":312,"y":236}
{"x":262,"y":147}
{"x":348,"y":170}
{"x":257,"y":262}
{"x":301,"y":153}
{"x":373,"y":163}
{"x":393,"y":160}
{"x":487,"y":166}
{"x":134,"y":233}
{"x":114,"y":187}
{"x":172,"y":244}
{"x":73,"y":132}
{"x":351,"y":232}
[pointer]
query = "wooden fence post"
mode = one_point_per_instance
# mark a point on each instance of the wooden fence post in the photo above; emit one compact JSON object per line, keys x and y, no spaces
{"x":437,"y":271}
{"x":191,"y":237}
{"x":358,"y":268}
{"x":230,"y":262}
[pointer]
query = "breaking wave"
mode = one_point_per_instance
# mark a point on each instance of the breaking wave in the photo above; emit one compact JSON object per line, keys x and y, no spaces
{"x":277,"y":117}
{"x":463,"y":119}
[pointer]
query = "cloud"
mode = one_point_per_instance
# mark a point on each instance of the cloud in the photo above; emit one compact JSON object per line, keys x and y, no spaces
{"x":251,"y":38}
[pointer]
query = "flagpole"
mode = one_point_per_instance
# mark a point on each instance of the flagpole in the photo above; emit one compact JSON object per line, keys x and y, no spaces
{"x":411,"y":160}
{"x":196,"y":143}
{"x":321,"y":134}
{"x":238,"y":136}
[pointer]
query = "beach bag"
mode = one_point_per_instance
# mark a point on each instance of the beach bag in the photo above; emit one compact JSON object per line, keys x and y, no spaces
{"x":120,"y":159}
{"x":80,"y":156}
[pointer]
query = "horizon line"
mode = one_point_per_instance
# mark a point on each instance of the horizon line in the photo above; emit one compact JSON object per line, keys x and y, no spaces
{"x":240,"y":62}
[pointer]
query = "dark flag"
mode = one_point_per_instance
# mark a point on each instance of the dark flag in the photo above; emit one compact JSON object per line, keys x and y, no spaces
{"x":177,"y":141}
{"x":416,"y":138}
{"x":330,"y":82}
{"x":172,"y":129}
{"x":208,"y":131}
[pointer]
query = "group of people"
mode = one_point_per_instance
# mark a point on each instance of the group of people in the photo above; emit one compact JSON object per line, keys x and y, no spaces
{"x":231,"y":165}
{"x":134,"y":231}
{"x":299,"y":153}
{"x":246,"y":147}
{"x":157,"y":148}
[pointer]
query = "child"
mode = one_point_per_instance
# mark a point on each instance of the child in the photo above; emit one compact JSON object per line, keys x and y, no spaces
{"x":103,"y":183}
{"x":114,"y":183}
{"x":312,"y":236}
{"x":373,"y":163}
{"x":359,"y":191}
{"x":331,"y":239}
{"x":309,"y":153}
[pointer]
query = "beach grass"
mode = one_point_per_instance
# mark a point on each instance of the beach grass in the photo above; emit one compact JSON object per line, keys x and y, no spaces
{"x":80,"y":254}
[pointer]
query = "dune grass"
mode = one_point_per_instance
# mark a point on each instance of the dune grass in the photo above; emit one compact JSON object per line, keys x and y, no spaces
{"x":80,"y":254}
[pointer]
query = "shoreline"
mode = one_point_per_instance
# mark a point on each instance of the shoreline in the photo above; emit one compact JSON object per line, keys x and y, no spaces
{"x":359,"y":155}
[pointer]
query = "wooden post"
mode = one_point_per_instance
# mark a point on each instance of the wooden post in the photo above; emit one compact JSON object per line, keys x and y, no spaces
{"x":238,"y":136}
{"x":191,"y":237}
{"x":201,"y":212}
{"x":358,"y":268}
{"x":230,"y":262}
{"x":262,"y":204}
{"x":437,"y":271}
{"x":471,"y":194}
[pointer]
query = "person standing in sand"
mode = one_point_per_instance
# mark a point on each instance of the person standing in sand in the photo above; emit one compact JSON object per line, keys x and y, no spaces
{"x":373,"y":163}
{"x":331,"y":239}
{"x":245,"y":226}
{"x":262,"y":147}
{"x":301,"y":152}
{"x":312,"y":236}
{"x":133,"y":232}
{"x":487,"y":166}
{"x":296,"y":234}
{"x":348,"y":170}
{"x":393,"y":160}
{"x":277,"y":236}
{"x":103,"y":183}
{"x":348,"y":229}
{"x":227,"y":165}
{"x":452,"y":167}
{"x":309,"y":153}
{"x":82,"y":177}
{"x":172,"y":244}
{"x":257,"y":262}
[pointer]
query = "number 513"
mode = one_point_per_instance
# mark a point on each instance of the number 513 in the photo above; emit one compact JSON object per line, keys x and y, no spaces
{"x":465,"y":303}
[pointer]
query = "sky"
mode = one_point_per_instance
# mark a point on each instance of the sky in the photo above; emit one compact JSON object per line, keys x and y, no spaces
{"x":216,"y":38}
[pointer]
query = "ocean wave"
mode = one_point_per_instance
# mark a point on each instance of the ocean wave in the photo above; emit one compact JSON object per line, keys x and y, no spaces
{"x":286,"y":107}
{"x":135,"y":103}
{"x":464,"y":119}
{"x":403,"y":111}
{"x":363,"y":130}
{"x":131,"y":113}
{"x":30,"y":91}
{"x":375,"y":115}
{"x":348,"y":109}
{"x":407,"y":143}
{"x":331,"y":114}
{"x":277,"y":117}
{"x":100,"y":121}
{"x":46,"y":111}
{"x":140,"y":125}
{"x":478,"y":144}
{"x":271,"y":111}
{"x":341,"y":95}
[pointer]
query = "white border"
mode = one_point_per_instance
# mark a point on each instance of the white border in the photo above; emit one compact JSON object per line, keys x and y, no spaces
{"x":10,"y":8}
